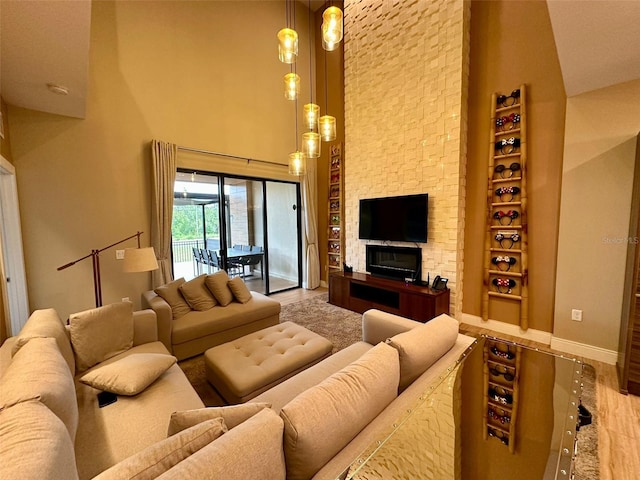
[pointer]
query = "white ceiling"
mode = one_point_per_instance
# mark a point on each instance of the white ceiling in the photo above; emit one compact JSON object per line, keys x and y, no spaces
{"x":43,"y":41}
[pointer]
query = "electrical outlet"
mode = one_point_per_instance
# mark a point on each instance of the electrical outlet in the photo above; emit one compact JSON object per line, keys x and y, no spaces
{"x":125,"y":299}
{"x":576,"y":315}
{"x":119,"y":254}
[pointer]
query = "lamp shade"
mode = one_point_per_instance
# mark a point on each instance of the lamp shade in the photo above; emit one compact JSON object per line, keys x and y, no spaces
{"x":311,"y":114}
{"x":139,"y":260}
{"x":311,"y":144}
{"x":332,"y":28}
{"x":328,"y":128}
{"x":297,"y":163}
{"x":287,"y":45}
{"x":291,"y":86}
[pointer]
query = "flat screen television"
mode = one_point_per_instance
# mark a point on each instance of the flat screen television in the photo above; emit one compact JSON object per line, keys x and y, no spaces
{"x":402,"y":219}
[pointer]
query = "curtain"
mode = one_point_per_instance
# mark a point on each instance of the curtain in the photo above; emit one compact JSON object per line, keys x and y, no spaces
{"x":309,"y":198}
{"x":164,"y":174}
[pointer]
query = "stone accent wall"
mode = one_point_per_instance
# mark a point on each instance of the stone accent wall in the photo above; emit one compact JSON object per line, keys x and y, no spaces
{"x":406,"y":69}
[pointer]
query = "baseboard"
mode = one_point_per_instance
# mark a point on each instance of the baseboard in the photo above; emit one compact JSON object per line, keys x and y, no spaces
{"x":508,"y":329}
{"x":588,"y":352}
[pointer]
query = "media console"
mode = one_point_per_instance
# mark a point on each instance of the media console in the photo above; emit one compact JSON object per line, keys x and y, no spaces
{"x":360,"y":292}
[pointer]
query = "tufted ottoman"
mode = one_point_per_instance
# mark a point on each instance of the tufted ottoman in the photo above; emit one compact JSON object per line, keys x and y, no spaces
{"x":246,"y":367}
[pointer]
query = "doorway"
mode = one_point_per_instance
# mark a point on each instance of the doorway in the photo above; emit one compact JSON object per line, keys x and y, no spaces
{"x":247,"y":230}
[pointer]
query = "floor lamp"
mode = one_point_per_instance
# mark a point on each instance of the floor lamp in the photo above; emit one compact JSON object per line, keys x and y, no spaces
{"x":135,"y":260}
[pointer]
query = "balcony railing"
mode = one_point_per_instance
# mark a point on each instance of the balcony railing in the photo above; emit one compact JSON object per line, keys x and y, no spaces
{"x":183,"y":249}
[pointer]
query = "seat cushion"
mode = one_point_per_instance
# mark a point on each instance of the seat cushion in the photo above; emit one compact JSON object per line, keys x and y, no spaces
{"x":252,"y":450}
{"x":218,"y":319}
{"x":244,"y":368}
{"x":158,"y":458}
{"x":324,"y":419}
{"x":101,"y":333}
{"x":35,"y":444}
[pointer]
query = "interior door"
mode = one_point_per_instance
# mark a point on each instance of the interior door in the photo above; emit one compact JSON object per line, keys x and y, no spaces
{"x":283,"y":244}
{"x":12,"y":263}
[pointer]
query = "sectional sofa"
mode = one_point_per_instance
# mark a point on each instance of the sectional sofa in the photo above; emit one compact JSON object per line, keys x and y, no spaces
{"x":311,"y":426}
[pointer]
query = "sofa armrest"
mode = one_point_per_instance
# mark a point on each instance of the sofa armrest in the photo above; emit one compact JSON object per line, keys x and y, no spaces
{"x":145,"y":327}
{"x":377,"y":326}
{"x":164,"y":316}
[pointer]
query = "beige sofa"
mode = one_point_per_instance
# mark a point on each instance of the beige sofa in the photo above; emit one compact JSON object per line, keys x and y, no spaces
{"x":187,"y":331}
{"x":320,"y":420}
{"x":50,"y":424}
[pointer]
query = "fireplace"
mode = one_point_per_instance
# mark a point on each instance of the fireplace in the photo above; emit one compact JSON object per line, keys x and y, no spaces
{"x":394,"y":262}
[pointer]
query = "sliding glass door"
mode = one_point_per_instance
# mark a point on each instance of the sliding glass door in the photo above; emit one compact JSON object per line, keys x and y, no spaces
{"x":251,"y":231}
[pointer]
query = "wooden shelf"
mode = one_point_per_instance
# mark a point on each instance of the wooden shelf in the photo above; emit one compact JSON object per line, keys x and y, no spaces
{"x":335,"y":234}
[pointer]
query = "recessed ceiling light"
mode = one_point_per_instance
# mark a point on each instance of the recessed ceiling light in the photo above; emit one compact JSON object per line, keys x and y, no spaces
{"x":57,"y":89}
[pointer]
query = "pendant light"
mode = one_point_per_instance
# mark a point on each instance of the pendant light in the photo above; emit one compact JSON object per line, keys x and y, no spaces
{"x":297,"y":159}
{"x":327,"y":123}
{"x":332,"y":29}
{"x":291,"y":86}
{"x":311,"y":140}
{"x":288,"y":37}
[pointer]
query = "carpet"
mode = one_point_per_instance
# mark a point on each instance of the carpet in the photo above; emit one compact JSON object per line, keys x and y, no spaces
{"x":343,"y":327}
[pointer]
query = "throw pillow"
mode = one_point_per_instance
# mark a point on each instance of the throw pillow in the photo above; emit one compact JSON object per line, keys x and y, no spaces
{"x":421,"y":347}
{"x":46,"y":323}
{"x":239,"y":290}
{"x":38,"y":371}
{"x":217,"y":283}
{"x":252,"y":450}
{"x":197,"y":294}
{"x":232,"y":415}
{"x":158,"y":458}
{"x":129,"y":375}
{"x":171,"y":294}
{"x":322,"y":420}
{"x":101,"y":333}
{"x":34,"y":444}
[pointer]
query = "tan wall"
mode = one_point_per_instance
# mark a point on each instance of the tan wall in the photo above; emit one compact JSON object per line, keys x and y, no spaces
{"x":405,"y":120}
{"x":5,"y":151}
{"x":597,"y":183}
{"x":199,"y":74}
{"x":512,"y":44}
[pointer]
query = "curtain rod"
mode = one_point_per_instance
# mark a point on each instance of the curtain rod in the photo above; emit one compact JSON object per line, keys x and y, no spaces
{"x":227,"y":155}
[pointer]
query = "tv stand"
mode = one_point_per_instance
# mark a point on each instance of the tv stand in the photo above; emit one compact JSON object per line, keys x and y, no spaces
{"x":360,"y":292}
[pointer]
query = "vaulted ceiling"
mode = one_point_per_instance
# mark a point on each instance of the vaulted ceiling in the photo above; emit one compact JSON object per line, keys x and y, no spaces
{"x":47,"y":43}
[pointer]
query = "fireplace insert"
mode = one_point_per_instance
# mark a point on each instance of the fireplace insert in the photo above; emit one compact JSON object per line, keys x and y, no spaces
{"x":398,"y":263}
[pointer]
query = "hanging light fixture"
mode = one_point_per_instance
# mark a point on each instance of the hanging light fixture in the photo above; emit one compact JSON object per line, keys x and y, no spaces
{"x":297,"y":159}
{"x":288,"y":37}
{"x":332,"y":29}
{"x":291,"y":86}
{"x":311,"y":139}
{"x":327,"y":122}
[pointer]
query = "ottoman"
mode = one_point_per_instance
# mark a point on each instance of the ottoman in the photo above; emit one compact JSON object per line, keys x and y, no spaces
{"x":244,"y":368}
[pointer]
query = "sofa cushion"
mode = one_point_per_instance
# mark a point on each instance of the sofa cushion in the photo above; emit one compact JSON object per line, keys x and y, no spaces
{"x":239,"y":290}
{"x":47,"y":323}
{"x":197,"y":294}
{"x":420,"y":347}
{"x":35,"y":444}
{"x":171,"y":294}
{"x":217,"y":283}
{"x":160,"y":457}
{"x":38,"y":371}
{"x":105,"y":436}
{"x":232,"y":415}
{"x":252,"y":450}
{"x":324,"y":419}
{"x":218,"y":319}
{"x":129,"y":375}
{"x":101,"y":333}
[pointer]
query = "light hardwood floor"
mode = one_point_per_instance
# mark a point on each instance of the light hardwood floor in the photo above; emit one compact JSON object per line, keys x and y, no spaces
{"x":618,"y":415}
